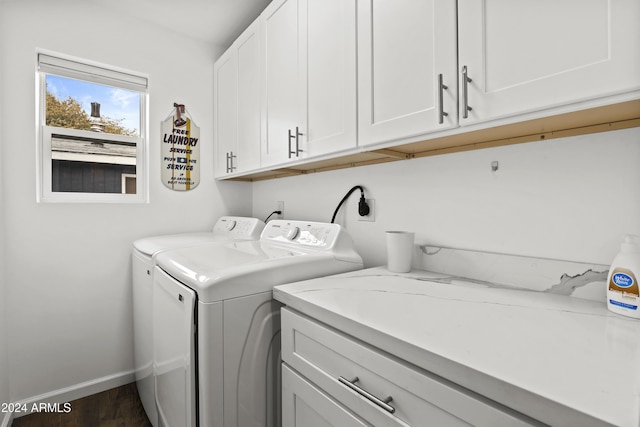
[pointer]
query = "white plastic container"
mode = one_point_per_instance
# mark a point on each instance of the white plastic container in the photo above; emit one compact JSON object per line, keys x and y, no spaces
{"x":623,"y":294}
{"x":399,"y":251}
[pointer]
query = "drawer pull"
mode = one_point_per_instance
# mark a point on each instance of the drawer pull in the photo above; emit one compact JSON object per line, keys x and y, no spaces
{"x":384,"y":404}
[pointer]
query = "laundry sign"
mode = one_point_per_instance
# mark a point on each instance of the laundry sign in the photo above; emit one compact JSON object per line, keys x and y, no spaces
{"x":180,"y":151}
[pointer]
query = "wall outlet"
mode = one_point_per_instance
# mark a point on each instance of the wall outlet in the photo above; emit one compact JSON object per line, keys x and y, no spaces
{"x":280,"y":207}
{"x":372,"y":211}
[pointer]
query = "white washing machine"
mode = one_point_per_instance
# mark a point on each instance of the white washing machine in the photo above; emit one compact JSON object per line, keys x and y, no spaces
{"x":227,"y":228}
{"x":217,"y":328}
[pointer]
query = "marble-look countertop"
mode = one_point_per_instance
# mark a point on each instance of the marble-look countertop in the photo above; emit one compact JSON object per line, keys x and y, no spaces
{"x":563,"y":360}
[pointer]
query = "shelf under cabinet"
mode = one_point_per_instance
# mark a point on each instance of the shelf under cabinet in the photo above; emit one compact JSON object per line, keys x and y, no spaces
{"x":622,"y":115}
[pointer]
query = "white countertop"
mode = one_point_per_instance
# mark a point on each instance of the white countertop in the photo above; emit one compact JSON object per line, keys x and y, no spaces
{"x":559,"y":359}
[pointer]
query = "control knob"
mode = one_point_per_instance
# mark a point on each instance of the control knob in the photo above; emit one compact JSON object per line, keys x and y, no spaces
{"x":292,"y":233}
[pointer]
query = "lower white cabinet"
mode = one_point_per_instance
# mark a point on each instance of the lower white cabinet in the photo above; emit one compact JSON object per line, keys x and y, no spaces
{"x":304,"y":405}
{"x":331,"y":379}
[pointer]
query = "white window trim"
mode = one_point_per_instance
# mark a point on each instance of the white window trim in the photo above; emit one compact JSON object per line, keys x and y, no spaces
{"x":66,"y":66}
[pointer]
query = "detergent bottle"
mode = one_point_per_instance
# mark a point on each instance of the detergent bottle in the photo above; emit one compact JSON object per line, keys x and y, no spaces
{"x":623,"y":295}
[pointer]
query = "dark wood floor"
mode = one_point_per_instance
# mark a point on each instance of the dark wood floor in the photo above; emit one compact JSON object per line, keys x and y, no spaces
{"x":118,"y":407}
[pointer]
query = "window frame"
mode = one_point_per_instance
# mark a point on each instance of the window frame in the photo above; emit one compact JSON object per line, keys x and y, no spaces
{"x":48,"y":63}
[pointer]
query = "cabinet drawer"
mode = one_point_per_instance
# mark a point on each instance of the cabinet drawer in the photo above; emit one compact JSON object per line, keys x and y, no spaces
{"x":303,"y":405}
{"x":418,"y":398}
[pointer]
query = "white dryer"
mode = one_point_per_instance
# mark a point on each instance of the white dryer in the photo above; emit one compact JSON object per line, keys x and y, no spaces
{"x":217,"y":327}
{"x":227,"y":228}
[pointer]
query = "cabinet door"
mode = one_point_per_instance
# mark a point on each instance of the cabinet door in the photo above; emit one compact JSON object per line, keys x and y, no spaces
{"x":248,"y":54}
{"x":403,"y":48}
{"x":528,"y":55}
{"x":280,"y":30}
{"x":328,"y":76}
{"x":225,"y":117}
{"x":304,"y":405}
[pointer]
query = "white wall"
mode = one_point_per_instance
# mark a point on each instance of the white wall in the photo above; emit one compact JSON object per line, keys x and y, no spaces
{"x":67,"y":266}
{"x":570,"y":199}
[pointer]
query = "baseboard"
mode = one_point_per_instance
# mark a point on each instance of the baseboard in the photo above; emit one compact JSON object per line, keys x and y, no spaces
{"x":6,"y":420}
{"x":76,"y":391}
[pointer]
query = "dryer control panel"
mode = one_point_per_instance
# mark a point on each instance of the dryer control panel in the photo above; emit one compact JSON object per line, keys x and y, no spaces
{"x":302,"y":233}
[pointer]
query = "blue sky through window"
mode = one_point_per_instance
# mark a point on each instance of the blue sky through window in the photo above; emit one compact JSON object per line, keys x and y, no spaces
{"x":115,"y":103}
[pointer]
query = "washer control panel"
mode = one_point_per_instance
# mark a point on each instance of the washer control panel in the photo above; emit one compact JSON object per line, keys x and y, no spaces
{"x":303,"y":233}
{"x":239,"y":227}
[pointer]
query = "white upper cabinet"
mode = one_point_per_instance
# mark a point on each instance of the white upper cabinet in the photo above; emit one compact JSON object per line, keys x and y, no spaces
{"x":237,"y":111}
{"x":407,"y":54}
{"x":310,"y":78}
{"x":313,"y":79}
{"x":225,"y":117}
{"x":528,"y":55}
{"x":249,"y":98}
{"x":280,"y":29}
{"x":328,"y":101}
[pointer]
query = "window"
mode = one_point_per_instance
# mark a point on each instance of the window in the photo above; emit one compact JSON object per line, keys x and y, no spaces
{"x":91,"y":132}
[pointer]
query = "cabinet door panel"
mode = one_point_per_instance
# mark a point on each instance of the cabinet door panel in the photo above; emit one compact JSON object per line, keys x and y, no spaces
{"x":249,"y":120}
{"x":280,"y":38}
{"x":226,"y":111}
{"x":328,"y":42}
{"x":534,"y":54}
{"x":402,"y":48}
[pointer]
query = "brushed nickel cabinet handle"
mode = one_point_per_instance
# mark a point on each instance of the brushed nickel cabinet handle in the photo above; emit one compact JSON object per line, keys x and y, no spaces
{"x":441,"y":88}
{"x":298,"y":149}
{"x":231,"y":157}
{"x":465,"y":93}
{"x":291,"y":136}
{"x":383,"y":403}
